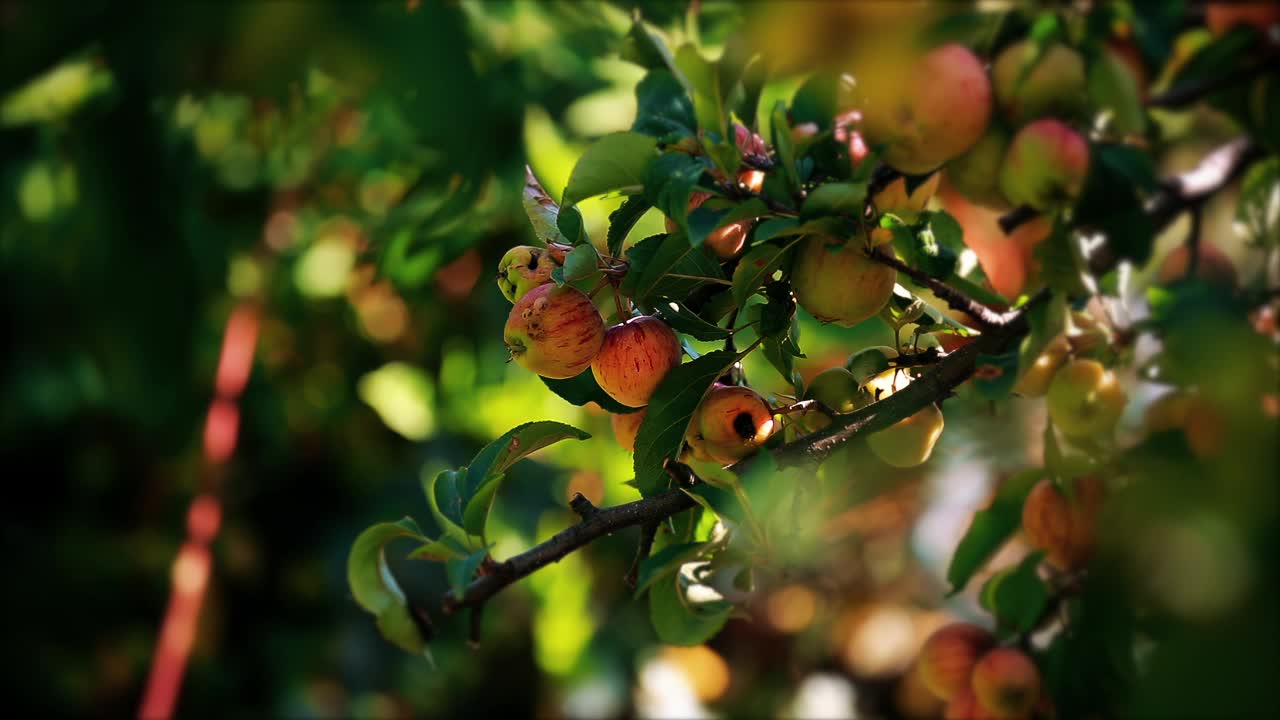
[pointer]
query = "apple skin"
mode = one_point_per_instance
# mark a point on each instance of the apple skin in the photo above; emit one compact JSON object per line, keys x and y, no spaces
{"x":1035,"y":381}
{"x":634,"y":358}
{"x":1064,"y":527}
{"x":1008,"y":260}
{"x":930,"y":114}
{"x":1213,"y":267}
{"x":1085,"y":399}
{"x":1055,"y":86}
{"x":948,"y":656}
{"x":725,"y":241}
{"x":908,"y":442}
{"x":522,"y":269}
{"x":625,"y":428}
{"x":840,"y":285}
{"x":1221,"y":16}
{"x":869,"y":362}
{"x":964,"y":706}
{"x":732,"y":422}
{"x":554,"y":331}
{"x":1189,"y":412}
{"x":837,"y":389}
{"x":1006,"y":684}
{"x":894,"y":199}
{"x":1046,"y":165}
{"x":976,"y":174}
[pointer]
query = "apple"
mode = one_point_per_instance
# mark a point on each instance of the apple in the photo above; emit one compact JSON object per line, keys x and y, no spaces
{"x":835,"y":388}
{"x":1046,"y":165}
{"x":948,"y":656}
{"x":625,"y":427}
{"x":976,"y":174}
{"x":929,"y":112}
{"x":1213,"y":266}
{"x":893,"y":198}
{"x":1028,"y":87}
{"x":732,"y":422}
{"x":522,"y":269}
{"x":1195,"y":416}
{"x":1064,"y":527}
{"x":1006,"y":684}
{"x":840,"y":284}
{"x":964,"y":706}
{"x":634,"y":358}
{"x":725,"y":241}
{"x":1034,"y":382}
{"x":869,"y":362}
{"x":1085,"y":399}
{"x":1221,"y":16}
{"x":1115,"y":88}
{"x":1007,"y":260}
{"x":554,"y":331}
{"x":908,"y":442}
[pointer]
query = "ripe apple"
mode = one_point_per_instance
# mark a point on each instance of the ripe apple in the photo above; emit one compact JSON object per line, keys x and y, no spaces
{"x":554,"y":331}
{"x":1035,"y":381}
{"x":1194,"y":415}
{"x":1213,"y":267}
{"x":932,"y":111}
{"x":1027,"y":87}
{"x":725,"y":241}
{"x":964,"y":706}
{"x":840,"y":284}
{"x":908,"y":442}
{"x":834,"y":388}
{"x":948,"y":656}
{"x":869,"y":362}
{"x":1006,"y":683}
{"x":732,"y":422}
{"x":522,"y":269}
{"x":976,"y":174}
{"x":1085,"y":399}
{"x":1064,"y":527}
{"x":894,"y":198}
{"x":1007,"y":260}
{"x":1221,"y":16}
{"x":1046,"y":165}
{"x":634,"y":358}
{"x":625,"y":427}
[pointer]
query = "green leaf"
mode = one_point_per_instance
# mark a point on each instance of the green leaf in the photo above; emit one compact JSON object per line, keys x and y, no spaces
{"x":446,"y":548}
{"x":491,"y":462}
{"x":835,"y":199}
{"x":569,"y":222}
{"x":581,"y":269}
{"x":991,"y":528}
{"x":663,"y":108}
{"x":672,"y":255}
{"x":543,"y":212}
{"x":377,"y":591}
{"x":668,"y":183}
{"x":666,"y":561}
{"x":704,"y":86}
{"x":444,"y":492}
{"x":646,"y":48}
{"x":622,"y":220}
{"x":781,"y":129}
{"x":1060,"y":263}
{"x":815,"y":101}
{"x":995,"y":375}
{"x":615,"y":162}
{"x":1259,"y":209}
{"x":670,"y":410}
{"x":1110,"y":201}
{"x":756,"y":267}
{"x":683,"y":320}
{"x":775,"y":227}
{"x":582,"y":389}
{"x":679,"y":622}
{"x":1047,"y":321}
{"x":746,"y":102}
{"x":1017,"y":596}
{"x":461,"y":571}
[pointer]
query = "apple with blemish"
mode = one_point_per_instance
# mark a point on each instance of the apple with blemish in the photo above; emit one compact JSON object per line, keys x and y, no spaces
{"x":948,"y":656}
{"x":524,"y":268}
{"x":840,"y":283}
{"x":1006,"y":684}
{"x":554,"y":331}
{"x":732,"y":422}
{"x":1046,"y":165}
{"x":634,"y":358}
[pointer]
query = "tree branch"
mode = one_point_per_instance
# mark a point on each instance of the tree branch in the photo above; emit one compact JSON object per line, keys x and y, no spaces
{"x":956,"y":300}
{"x":934,"y":385}
{"x":1188,"y":93}
{"x":1192,"y":188}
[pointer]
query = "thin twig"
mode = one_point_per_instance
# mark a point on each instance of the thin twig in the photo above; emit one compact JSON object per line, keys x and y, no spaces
{"x":984,"y":316}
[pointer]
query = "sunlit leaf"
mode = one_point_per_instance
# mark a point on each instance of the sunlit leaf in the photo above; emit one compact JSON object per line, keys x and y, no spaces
{"x":376,"y":590}
{"x":615,"y":162}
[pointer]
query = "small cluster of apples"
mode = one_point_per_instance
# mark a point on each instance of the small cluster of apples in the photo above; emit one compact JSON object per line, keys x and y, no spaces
{"x":867,"y":376}
{"x":1027,"y":155}
{"x":962,"y":665}
{"x":728,"y":240}
{"x":1084,"y":397}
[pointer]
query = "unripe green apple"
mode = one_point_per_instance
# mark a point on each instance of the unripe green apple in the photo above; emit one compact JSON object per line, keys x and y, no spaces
{"x":554,"y":331}
{"x":1028,"y":88}
{"x":834,"y":388}
{"x":976,"y":174}
{"x":1035,"y":380}
{"x":625,"y":428}
{"x":1064,"y":527}
{"x":869,"y":362}
{"x":1085,"y":399}
{"x":1212,"y":266}
{"x":934,"y":111}
{"x":894,"y":198}
{"x":908,"y":442}
{"x":1046,"y":165}
{"x":1006,"y":683}
{"x":732,"y":423}
{"x":522,"y":269}
{"x":840,"y":284}
{"x":948,"y":656}
{"x":634,"y":358}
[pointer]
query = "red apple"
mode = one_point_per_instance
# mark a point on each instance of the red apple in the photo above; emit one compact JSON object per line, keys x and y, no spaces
{"x":634,"y":358}
{"x":554,"y":331}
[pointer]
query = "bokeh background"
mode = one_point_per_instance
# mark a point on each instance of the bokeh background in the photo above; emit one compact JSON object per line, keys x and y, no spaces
{"x":351,"y":173}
